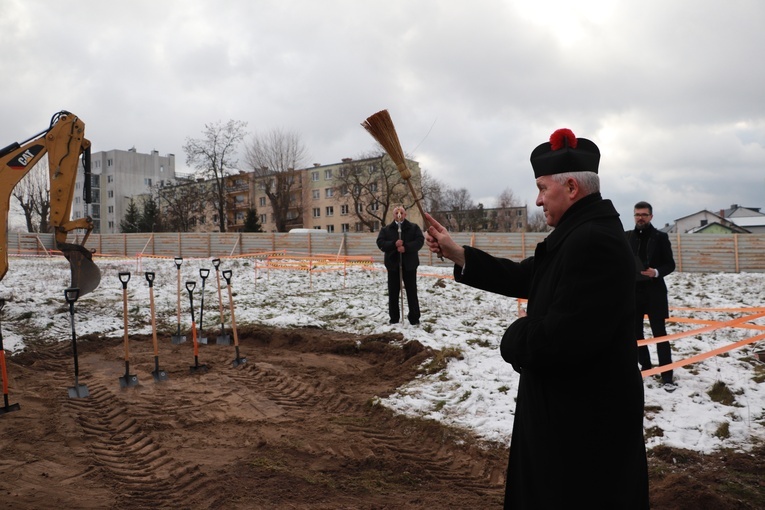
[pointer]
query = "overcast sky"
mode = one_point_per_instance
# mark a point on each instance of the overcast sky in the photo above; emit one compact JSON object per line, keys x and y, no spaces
{"x":673,"y":92}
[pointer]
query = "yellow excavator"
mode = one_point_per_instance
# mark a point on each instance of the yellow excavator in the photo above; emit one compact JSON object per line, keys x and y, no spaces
{"x":64,"y":142}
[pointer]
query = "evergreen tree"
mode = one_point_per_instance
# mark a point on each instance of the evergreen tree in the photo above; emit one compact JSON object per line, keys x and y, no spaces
{"x":252,"y":222}
{"x":150,"y":220}
{"x":130,"y":223}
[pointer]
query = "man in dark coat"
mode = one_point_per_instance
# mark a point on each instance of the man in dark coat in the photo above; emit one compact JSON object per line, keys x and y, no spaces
{"x":400,"y":241}
{"x":653,"y":255}
{"x":577,"y":435}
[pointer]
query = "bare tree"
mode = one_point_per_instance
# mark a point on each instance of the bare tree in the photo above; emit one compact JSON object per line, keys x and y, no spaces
{"x":183,"y":203}
{"x":371,"y":186}
{"x":214,"y":155}
{"x":458,"y":204}
{"x":33,"y":194}
{"x":275,"y":158}
{"x":433,"y":196}
{"x":503,"y":219}
{"x":537,"y":222}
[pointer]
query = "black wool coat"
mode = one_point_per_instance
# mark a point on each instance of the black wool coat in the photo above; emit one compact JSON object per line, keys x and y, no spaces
{"x":659,"y":251}
{"x":413,"y":239}
{"x":577,"y":435}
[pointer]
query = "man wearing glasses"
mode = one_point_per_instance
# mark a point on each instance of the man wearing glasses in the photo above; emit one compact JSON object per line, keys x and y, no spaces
{"x":654,"y":260}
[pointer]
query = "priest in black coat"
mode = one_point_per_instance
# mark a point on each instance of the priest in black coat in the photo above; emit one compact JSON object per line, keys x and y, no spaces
{"x":577,"y":436}
{"x":400,"y":241}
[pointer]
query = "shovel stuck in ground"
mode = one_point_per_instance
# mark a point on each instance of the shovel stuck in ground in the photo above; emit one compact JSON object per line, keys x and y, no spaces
{"x":196,"y":367}
{"x":7,"y":408}
{"x":223,"y":338}
{"x":158,"y":374}
{"x":238,"y":360}
{"x":78,"y":390}
{"x":177,"y":338}
{"x":127,"y":380}
{"x":203,"y":274}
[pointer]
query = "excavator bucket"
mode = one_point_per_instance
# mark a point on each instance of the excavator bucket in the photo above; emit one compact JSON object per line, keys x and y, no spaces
{"x":85,"y":274}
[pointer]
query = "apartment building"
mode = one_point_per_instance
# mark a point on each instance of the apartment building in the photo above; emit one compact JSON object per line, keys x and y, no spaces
{"x":118,"y":175}
{"x":321,"y":197}
{"x":502,"y":219}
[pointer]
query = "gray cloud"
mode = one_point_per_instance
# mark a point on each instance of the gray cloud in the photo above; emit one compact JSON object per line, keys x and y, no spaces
{"x":669,"y":90}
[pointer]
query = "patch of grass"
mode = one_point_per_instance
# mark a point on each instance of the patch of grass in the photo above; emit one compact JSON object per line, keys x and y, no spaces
{"x":723,"y":430}
{"x":479,"y":342}
{"x":503,"y":389}
{"x":654,"y":432}
{"x":465,"y":396}
{"x":439,"y":405}
{"x":721,"y":394}
{"x":438,"y":362}
{"x":25,"y":316}
{"x":759,"y":373}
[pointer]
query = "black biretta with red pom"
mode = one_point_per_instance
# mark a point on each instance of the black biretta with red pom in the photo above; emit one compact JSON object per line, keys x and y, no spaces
{"x":565,"y":153}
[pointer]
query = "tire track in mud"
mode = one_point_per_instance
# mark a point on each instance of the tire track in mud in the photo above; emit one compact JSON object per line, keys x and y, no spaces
{"x":443,"y":461}
{"x":125,"y":456}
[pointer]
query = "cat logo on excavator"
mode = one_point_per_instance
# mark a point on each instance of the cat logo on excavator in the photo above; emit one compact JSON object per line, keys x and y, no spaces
{"x":64,"y":142}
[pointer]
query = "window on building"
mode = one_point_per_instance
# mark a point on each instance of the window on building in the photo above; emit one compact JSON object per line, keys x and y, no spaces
{"x":110,"y":209}
{"x":375,"y":206}
{"x":110,"y":193}
{"x":330,"y":210}
{"x":330,"y":228}
{"x":316,"y":194}
{"x":262,"y":219}
{"x":345,"y":227}
{"x":111,"y":225}
{"x":316,"y":212}
{"x":344,"y":210}
{"x":109,"y":178}
{"x":95,"y":181}
{"x":329,"y":192}
{"x":109,"y":162}
{"x":147,"y":181}
{"x":314,"y":176}
{"x":373,"y":187}
{"x":262,"y":201}
{"x":76,"y":200}
{"x":239,"y":199}
{"x":328,"y":174}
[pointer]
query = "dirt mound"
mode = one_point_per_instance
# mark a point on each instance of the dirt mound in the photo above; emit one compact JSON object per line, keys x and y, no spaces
{"x":296,"y":426}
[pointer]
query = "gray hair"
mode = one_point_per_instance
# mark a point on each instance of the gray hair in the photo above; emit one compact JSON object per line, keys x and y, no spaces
{"x":589,"y":182}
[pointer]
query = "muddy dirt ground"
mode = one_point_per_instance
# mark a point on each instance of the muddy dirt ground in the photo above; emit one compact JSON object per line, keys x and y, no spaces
{"x":295,"y":427}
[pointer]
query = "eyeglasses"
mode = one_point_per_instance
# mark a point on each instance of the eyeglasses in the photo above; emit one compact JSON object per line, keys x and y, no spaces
{"x":641,"y":215}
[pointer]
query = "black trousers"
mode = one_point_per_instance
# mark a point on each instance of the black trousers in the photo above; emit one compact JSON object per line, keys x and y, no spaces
{"x":394,"y":289}
{"x":656,"y":321}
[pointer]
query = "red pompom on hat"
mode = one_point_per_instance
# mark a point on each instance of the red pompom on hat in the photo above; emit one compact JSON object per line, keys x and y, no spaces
{"x":565,"y":153}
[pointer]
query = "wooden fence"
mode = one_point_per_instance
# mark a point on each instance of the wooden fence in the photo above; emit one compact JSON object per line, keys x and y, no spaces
{"x":694,"y":253}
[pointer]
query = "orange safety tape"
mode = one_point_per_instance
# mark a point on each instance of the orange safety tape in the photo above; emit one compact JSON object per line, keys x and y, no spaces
{"x":702,"y":356}
{"x":712,"y":327}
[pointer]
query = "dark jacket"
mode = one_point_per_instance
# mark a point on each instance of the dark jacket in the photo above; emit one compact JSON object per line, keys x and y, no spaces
{"x":659,"y":256}
{"x":578,"y":428}
{"x":413,"y":239}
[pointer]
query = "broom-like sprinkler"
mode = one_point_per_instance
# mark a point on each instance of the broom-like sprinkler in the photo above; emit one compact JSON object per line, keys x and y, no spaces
{"x":381,"y":127}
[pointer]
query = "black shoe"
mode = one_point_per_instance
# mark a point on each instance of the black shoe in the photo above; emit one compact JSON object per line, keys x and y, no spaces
{"x":393,"y":321}
{"x":669,"y":387}
{"x":414,"y":323}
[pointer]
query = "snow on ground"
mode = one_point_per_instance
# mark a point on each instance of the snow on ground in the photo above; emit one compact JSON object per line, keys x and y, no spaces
{"x":476,"y":392}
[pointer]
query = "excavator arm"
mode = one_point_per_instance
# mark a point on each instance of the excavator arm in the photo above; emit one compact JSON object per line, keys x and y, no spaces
{"x":63,"y":142}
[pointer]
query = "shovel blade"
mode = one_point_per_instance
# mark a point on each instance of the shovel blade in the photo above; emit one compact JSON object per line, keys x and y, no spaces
{"x":128,"y":380}
{"x":202,"y":340}
{"x":85,"y":274}
{"x":238,"y":361}
{"x":159,"y":375}
{"x":223,"y":340}
{"x":79,"y":391}
{"x":9,"y":408}
{"x":177,"y":339}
